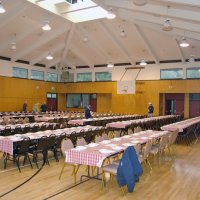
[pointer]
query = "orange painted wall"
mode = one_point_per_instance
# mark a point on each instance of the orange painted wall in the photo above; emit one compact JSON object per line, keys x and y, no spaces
{"x":14,"y":91}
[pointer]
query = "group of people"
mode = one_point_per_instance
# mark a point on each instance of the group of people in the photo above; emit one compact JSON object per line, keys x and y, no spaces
{"x":88,"y":112}
{"x":43,"y":107}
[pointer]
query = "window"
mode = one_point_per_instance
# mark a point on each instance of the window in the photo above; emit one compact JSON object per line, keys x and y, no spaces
{"x":37,"y":75}
{"x":194,"y":96}
{"x":80,"y":100}
{"x":171,"y":74}
{"x":52,"y":77}
{"x":84,"y":77}
{"x":193,"y":73}
{"x":103,"y":76}
{"x":20,"y":72}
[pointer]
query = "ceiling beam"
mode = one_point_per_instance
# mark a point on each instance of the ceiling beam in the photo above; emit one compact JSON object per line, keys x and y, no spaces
{"x":94,"y":43}
{"x":181,"y":51}
{"x":145,"y":41}
{"x":47,"y":37}
{"x":159,"y":10}
{"x":90,"y":45}
{"x":7,"y":43}
{"x":114,"y":39}
{"x":13,"y":14}
{"x":191,"y":3}
{"x":80,"y":55}
{"x":68,"y":40}
{"x":184,"y":25}
{"x":53,"y":50}
{"x":53,"y":62}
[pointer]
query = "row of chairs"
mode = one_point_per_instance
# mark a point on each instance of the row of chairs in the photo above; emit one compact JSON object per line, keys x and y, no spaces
{"x":33,"y":148}
{"x":143,"y":152}
{"x":27,"y":128}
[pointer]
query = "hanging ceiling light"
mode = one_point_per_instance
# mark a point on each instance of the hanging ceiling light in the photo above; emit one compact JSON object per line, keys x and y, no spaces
{"x":143,"y":63}
{"x":140,"y":2}
{"x":110,"y":14}
{"x":123,"y":34}
{"x":85,"y":39}
{"x":46,"y":26}
{"x":110,"y":65}
{"x":184,"y":43}
{"x":2,"y":9}
{"x":167,"y":26}
{"x":49,"y":56}
{"x":13,"y":46}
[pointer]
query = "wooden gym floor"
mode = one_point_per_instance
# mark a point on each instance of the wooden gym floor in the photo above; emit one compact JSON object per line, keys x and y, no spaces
{"x":171,"y":180}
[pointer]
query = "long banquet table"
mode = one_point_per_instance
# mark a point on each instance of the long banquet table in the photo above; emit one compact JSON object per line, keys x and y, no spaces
{"x":180,"y":126}
{"x":126,"y":124}
{"x":94,"y":154}
{"x":7,"y":143}
{"x":120,"y":117}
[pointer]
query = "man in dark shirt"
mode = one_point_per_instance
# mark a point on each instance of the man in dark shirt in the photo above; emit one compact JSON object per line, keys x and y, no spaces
{"x":88,"y":112}
{"x":150,"y":110}
{"x":44,"y":107}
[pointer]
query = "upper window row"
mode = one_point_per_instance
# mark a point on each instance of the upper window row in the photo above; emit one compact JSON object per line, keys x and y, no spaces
{"x":191,"y":73}
{"x":36,"y":75}
{"x":99,"y":76}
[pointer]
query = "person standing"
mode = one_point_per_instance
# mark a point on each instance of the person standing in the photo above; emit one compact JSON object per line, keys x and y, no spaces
{"x":88,"y":112}
{"x":25,"y":106}
{"x":150,"y":110}
{"x":43,"y":107}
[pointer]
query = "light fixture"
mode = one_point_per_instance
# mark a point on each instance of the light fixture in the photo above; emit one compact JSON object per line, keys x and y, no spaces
{"x":191,"y":59}
{"x":167,"y":26}
{"x":123,"y":34}
{"x":110,"y":65}
{"x":184,"y":43}
{"x":46,"y":26}
{"x":49,"y":56}
{"x":140,"y":2}
{"x":13,"y":46}
{"x":85,"y":39}
{"x":2,"y":9}
{"x":110,"y":14}
{"x":143,"y":63}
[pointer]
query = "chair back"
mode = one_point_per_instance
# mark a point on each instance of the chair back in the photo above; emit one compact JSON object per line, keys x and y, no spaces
{"x":51,"y":141}
{"x":117,"y":133}
{"x":81,"y":142}
{"x":42,"y":143}
{"x":24,"y":145}
{"x":66,"y":144}
{"x":105,"y":136}
{"x":98,"y":138}
{"x":147,"y":149}
{"x":137,"y":129}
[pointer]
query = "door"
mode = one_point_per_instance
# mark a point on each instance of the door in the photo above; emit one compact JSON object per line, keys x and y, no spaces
{"x":52,"y":100}
{"x":174,"y":104}
{"x":194,"y":105}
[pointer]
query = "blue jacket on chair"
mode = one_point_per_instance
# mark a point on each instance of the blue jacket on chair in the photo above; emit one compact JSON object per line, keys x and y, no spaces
{"x":129,"y":169}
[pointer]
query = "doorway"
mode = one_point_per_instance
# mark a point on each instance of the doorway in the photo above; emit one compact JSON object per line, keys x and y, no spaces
{"x":194,"y":105}
{"x":174,"y":104}
{"x":52,"y":101}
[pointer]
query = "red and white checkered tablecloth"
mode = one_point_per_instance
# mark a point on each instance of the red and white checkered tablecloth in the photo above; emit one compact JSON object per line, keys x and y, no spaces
{"x":93,"y":157}
{"x":84,"y":158}
{"x":6,"y":146}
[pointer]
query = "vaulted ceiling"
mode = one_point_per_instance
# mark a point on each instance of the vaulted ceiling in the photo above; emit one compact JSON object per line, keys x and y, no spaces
{"x":97,"y":42}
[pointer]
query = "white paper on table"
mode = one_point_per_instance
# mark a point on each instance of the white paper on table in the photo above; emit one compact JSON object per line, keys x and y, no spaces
{"x":92,"y":145}
{"x":111,"y":145}
{"x":106,"y":151}
{"x":116,"y":139}
{"x":105,"y":142}
{"x":127,"y":144}
{"x":126,"y":136}
{"x":80,"y":148}
{"x":117,"y":148}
